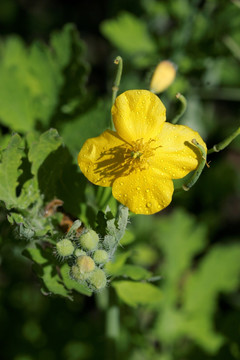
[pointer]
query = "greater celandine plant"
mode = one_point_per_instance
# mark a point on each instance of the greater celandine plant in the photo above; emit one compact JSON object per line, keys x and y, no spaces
{"x":138,"y":158}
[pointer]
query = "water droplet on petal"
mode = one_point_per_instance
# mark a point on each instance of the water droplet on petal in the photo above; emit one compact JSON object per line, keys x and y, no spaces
{"x":121,"y":183}
{"x":148,"y":205}
{"x":138,"y":188}
{"x":147,"y":190}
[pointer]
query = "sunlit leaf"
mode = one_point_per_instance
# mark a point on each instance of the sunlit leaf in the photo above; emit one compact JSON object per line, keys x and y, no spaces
{"x":137,"y":293}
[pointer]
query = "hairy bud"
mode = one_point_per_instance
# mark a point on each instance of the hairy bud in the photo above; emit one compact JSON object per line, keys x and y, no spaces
{"x":64,"y":248}
{"x":89,"y":240}
{"x":85,"y":264}
{"x":98,"y":279}
{"x":100,"y":257}
{"x":79,"y":252}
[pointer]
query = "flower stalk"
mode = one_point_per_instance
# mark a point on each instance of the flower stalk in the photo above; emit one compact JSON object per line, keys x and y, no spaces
{"x":223,"y":144}
{"x":119,"y":62}
{"x":199,"y":169}
{"x":182,"y":108}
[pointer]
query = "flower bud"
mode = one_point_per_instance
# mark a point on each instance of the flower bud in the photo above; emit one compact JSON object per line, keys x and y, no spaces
{"x":79,"y":252}
{"x":65,"y":248}
{"x":163,"y":76}
{"x":85,"y":264}
{"x":89,"y":240}
{"x":98,"y":279}
{"x":100,"y":257}
{"x":77,"y":274}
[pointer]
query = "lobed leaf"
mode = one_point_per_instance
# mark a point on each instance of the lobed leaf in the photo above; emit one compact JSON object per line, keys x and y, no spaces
{"x":11,"y":159}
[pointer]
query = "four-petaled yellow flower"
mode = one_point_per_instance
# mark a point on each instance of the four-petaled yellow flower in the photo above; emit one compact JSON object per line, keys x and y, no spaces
{"x":140,"y":159}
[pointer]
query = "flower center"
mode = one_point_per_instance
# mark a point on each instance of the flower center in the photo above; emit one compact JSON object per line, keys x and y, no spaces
{"x":138,"y":153}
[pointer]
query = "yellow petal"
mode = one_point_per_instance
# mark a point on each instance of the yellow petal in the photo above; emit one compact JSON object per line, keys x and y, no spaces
{"x":175,"y":155}
{"x":101,"y":159}
{"x":143,"y":192}
{"x":138,"y":114}
{"x":163,"y":76}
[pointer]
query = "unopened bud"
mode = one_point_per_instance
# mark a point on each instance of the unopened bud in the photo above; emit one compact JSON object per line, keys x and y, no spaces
{"x":77,"y":274}
{"x":89,"y":240}
{"x":98,"y":279}
{"x":65,"y":248}
{"x":79,"y":252}
{"x":100,"y":257}
{"x":85,"y":264}
{"x":163,"y":76}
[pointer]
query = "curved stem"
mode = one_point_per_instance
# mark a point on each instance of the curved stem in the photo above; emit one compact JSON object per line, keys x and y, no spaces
{"x":199,"y":169}
{"x":223,"y":144}
{"x":119,"y":62}
{"x":182,"y":108}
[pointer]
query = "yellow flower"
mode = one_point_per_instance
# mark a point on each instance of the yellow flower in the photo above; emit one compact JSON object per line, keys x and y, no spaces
{"x":163,"y":76}
{"x":140,"y":159}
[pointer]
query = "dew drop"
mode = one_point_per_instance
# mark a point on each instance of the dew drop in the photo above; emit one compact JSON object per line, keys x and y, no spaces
{"x":148,"y":205}
{"x":121,"y":183}
{"x":147,"y":190}
{"x":125,"y":195}
{"x":138,"y":188}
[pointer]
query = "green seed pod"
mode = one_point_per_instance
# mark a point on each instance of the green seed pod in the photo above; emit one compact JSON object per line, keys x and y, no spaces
{"x":85,"y":264}
{"x":89,"y":240}
{"x":100,"y":257}
{"x":79,"y":252}
{"x":65,"y":248}
{"x":98,"y":279}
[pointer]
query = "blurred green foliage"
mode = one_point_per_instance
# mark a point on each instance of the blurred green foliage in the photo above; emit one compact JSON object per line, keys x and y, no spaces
{"x":176,"y":274}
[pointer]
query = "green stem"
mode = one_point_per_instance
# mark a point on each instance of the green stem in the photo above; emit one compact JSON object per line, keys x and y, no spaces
{"x":199,"y":169}
{"x":112,"y":322}
{"x":182,"y":108}
{"x":112,"y":327}
{"x":223,"y":144}
{"x":118,"y":61}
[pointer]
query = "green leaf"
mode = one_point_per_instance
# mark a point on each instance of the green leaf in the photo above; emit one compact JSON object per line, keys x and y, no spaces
{"x":115,"y":266}
{"x":90,"y":124}
{"x":40,"y":81}
{"x":59,"y":178}
{"x":35,"y":254}
{"x":39,"y":151}
{"x":52,"y":282}
{"x":45,"y":269}
{"x":11,"y":159}
{"x":218,"y":272}
{"x":179,"y":243}
{"x":133,"y":272}
{"x":129,"y":34}
{"x":137,"y":293}
{"x":69,"y":54}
